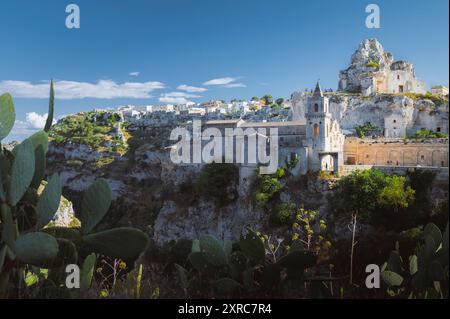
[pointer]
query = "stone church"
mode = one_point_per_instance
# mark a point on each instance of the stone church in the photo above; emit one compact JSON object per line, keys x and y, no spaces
{"x":317,"y":140}
{"x":372,"y":70}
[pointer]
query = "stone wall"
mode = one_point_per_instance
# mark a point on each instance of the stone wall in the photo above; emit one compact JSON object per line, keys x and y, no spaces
{"x":396,"y":152}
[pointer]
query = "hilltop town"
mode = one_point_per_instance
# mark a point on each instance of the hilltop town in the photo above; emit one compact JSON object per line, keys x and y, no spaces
{"x":380,"y":117}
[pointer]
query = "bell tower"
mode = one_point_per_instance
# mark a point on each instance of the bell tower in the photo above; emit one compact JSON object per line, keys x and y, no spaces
{"x":324,"y":138}
{"x":318,"y":120}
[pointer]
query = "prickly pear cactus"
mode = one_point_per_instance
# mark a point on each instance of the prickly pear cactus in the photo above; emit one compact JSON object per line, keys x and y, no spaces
{"x":426,"y":273}
{"x":26,"y":239}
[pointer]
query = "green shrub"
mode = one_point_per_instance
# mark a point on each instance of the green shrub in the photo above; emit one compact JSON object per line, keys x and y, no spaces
{"x":284,"y":212}
{"x":103,"y":161}
{"x":75,"y":163}
{"x":373,"y":64}
{"x":216,"y":182}
{"x":409,"y":239}
{"x":89,"y":128}
{"x":366,"y":130}
{"x":381,"y":200}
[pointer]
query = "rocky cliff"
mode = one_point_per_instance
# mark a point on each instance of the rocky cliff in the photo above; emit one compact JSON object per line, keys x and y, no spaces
{"x":152,"y":193}
{"x":349,"y":110}
{"x":160,"y":197}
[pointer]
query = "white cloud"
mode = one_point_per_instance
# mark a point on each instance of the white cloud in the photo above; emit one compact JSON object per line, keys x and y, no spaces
{"x":235,"y":85}
{"x":220,"y":81}
{"x":226,"y":82}
{"x":177,"y":98}
{"x":69,"y":90}
{"x":135,"y":73}
{"x":192,"y":89}
{"x":35,"y":120}
{"x":33,"y":123}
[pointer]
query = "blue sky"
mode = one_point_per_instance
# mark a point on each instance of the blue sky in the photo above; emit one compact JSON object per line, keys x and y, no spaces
{"x":254,"y":46}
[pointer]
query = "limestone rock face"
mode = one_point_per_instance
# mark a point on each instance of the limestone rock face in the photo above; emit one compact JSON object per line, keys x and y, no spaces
{"x":370,"y":50}
{"x":65,"y":215}
{"x":368,"y":58}
{"x":372,"y":70}
{"x":174,"y":222}
{"x":351,"y":110}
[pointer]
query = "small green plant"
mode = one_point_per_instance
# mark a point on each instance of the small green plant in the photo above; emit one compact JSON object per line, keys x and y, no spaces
{"x":425,"y":274}
{"x":373,"y":64}
{"x":366,"y":130}
{"x":267,"y":186}
{"x":424,"y":133}
{"x":309,"y":231}
{"x":292,"y":163}
{"x":75,"y":163}
{"x":284,"y":212}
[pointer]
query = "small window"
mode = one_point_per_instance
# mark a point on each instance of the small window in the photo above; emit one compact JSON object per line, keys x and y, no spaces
{"x":422,"y":157}
{"x":438,"y":129}
{"x":398,"y":77}
{"x":316,"y":130}
{"x":351,"y":160}
{"x":316,"y":107}
{"x":395,"y":121}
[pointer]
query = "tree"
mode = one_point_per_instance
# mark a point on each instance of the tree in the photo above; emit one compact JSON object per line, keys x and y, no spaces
{"x":395,"y":195}
{"x":366,"y":129}
{"x":375,"y":198}
{"x":255,"y":98}
{"x":357,"y":193}
{"x":279,"y":101}
{"x":268,"y":99}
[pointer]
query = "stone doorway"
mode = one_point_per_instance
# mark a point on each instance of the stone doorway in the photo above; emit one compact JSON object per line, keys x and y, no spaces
{"x":329,"y":162}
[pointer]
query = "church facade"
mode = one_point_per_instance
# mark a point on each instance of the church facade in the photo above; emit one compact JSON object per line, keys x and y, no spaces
{"x":316,"y":142}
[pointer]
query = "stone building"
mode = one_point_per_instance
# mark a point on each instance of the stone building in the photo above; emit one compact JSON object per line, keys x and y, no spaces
{"x":432,"y":153}
{"x":395,"y":126}
{"x":440,"y":90}
{"x":324,"y":138}
{"x":317,"y":140}
{"x":372,"y":71}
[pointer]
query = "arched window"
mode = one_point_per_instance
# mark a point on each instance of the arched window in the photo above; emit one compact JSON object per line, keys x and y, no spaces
{"x":316,"y":130}
{"x":316,"y":107}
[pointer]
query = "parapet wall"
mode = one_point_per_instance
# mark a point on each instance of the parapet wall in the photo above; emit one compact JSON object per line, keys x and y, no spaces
{"x":396,"y":152}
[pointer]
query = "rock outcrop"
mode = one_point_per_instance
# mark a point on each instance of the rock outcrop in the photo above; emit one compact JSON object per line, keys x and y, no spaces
{"x":353,"y":109}
{"x":372,"y":70}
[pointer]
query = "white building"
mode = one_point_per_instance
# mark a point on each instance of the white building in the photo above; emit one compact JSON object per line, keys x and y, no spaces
{"x":160,"y":108}
{"x":240,"y":106}
{"x":440,"y":90}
